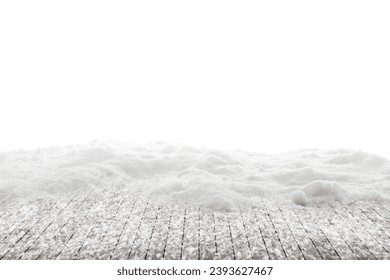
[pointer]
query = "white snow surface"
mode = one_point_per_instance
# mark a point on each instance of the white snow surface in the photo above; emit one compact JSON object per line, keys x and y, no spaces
{"x":212,"y":178}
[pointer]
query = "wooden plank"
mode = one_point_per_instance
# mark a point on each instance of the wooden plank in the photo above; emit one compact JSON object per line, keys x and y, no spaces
{"x":371,"y":227}
{"x":255,"y":236}
{"x":319,"y":238}
{"x":76,"y":232}
{"x":225,"y":245}
{"x":8,"y":209}
{"x":145,"y":232}
{"x":376,"y":218}
{"x":130,"y":230}
{"x":301,"y":236}
{"x":159,"y":238}
{"x":344,"y":232}
{"x":15,"y":218}
{"x":34,"y":228}
{"x":107,"y":247}
{"x":383,"y":215}
{"x":136,"y":230}
{"x":360,"y":229}
{"x":240,"y":237}
{"x":208,"y":240}
{"x":6,"y":246}
{"x":173,"y":249}
{"x":2,"y":205}
{"x":385,"y":206}
{"x":45,"y":238}
{"x":191,"y":239}
{"x":105,"y":231}
{"x":112,"y":225}
{"x":76,"y":241}
{"x":290,"y":245}
{"x":357,"y":245}
{"x":323,"y":218}
{"x":271,"y":237}
{"x":19,"y":212}
{"x":58,"y":235}
{"x":99,"y":226}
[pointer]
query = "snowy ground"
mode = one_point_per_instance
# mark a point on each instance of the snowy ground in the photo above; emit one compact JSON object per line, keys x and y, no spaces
{"x":212,"y":178}
{"x":116,"y":201}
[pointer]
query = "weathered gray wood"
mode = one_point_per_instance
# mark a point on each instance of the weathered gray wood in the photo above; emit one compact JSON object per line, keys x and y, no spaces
{"x":144,"y":233}
{"x":129,"y":230}
{"x":320,"y":240}
{"x":78,"y":229}
{"x":324,"y":218}
{"x":375,"y":218}
{"x":382,"y":214}
{"x":224,"y":237}
{"x":49,"y":240}
{"x":8,"y":208}
{"x":240,"y":238}
{"x":101,"y":222}
{"x":175,"y":238}
{"x":208,"y":240}
{"x":255,"y":236}
{"x":356,"y":243}
{"x":290,"y":245}
{"x":302,"y":238}
{"x":360,"y":230}
{"x":118,"y":224}
{"x":159,"y":238}
{"x":345,"y":233}
{"x":191,"y":238}
{"x":271,"y":237}
{"x":13,"y":220}
{"x":35,"y":226}
{"x":76,"y":217}
{"x":371,"y":227}
{"x":114,"y":231}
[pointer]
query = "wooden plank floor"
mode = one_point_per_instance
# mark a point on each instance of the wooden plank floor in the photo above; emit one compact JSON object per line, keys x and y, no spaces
{"x":120,"y":225}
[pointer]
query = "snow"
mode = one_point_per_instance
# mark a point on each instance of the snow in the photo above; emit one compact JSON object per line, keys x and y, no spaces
{"x":216,"y":179}
{"x":299,"y":197}
{"x":323,"y":190}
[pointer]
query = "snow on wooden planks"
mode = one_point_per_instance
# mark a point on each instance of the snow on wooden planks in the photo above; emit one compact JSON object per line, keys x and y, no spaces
{"x":113,"y":224}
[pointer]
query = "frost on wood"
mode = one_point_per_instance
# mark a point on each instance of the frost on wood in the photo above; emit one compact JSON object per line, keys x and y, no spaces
{"x":121,"y":225}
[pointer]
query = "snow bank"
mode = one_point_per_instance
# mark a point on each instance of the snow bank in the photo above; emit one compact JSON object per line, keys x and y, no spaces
{"x":216,"y":179}
{"x":358,"y":157}
{"x":319,"y":191}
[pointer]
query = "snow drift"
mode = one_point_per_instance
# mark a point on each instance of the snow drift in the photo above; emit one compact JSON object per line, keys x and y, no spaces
{"x":215,"y":179}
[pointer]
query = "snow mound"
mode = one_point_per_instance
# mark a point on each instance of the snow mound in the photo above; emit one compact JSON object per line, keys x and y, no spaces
{"x":216,"y":179}
{"x":358,"y":157}
{"x":319,"y":191}
{"x":299,"y":198}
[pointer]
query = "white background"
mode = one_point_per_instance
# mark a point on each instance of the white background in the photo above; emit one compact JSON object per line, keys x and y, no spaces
{"x":267,"y":76}
{"x":104,"y":270}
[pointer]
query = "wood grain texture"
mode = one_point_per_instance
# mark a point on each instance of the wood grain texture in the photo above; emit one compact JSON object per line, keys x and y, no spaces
{"x":120,"y":225}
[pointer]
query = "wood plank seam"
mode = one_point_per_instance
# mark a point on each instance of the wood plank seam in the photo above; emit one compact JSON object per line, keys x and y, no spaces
{"x":169,"y":230}
{"x":353,"y":232}
{"x":292,"y":234}
{"x":124,"y":226}
{"x":323,"y":233}
{"x":137,"y":231}
{"x":369,"y":232}
{"x":151,"y":234}
{"x":260,"y":230}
